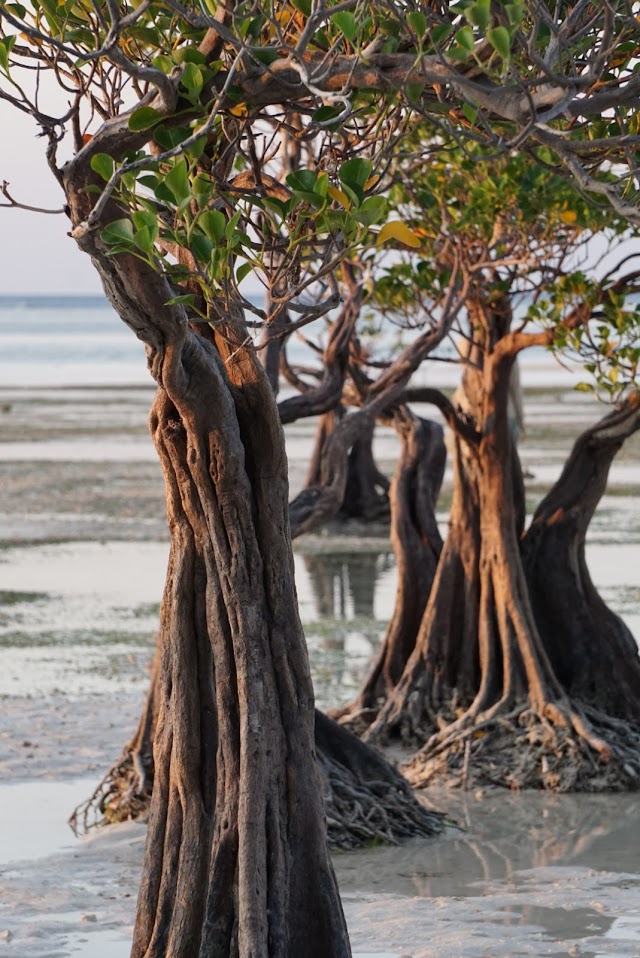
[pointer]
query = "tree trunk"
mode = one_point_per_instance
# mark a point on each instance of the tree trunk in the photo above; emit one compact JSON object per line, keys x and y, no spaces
{"x":591,"y":649}
{"x":479,"y":689}
{"x":236,"y":860}
{"x":365,"y":798}
{"x":366,"y":489}
{"x":366,"y":495}
{"x":417,"y":546}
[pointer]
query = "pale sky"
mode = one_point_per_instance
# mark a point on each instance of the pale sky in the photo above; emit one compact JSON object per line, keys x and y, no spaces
{"x":36,"y":255}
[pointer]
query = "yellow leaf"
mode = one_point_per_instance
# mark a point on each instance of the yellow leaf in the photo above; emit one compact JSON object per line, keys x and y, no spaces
{"x":339,"y":197}
{"x":399,"y":232}
{"x":569,"y":217}
{"x":371,"y":182}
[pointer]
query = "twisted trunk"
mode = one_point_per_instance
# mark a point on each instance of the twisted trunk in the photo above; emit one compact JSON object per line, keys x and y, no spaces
{"x":591,"y":649}
{"x":480,"y":693}
{"x":236,"y":854}
{"x":365,"y":493}
{"x":417,"y":546}
{"x":236,"y":860}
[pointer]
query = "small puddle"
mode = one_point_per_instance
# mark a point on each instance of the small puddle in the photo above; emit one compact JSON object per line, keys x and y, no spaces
{"x":33,"y":818}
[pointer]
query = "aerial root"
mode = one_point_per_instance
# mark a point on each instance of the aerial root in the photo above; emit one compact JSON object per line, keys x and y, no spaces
{"x":563,"y":747}
{"x":123,"y":795}
{"x":359,"y":813}
{"x":364,"y":810}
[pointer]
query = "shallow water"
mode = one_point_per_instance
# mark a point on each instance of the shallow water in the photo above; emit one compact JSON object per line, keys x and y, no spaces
{"x":535,"y":875}
{"x":531,"y":874}
{"x":94,"y":627}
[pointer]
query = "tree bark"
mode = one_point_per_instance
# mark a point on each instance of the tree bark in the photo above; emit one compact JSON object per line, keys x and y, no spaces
{"x":591,"y":649}
{"x":365,"y":493}
{"x":417,"y":545}
{"x":480,"y":693}
{"x":236,"y":861}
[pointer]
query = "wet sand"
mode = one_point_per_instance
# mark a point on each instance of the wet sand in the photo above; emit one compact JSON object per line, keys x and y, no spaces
{"x":83,"y":547}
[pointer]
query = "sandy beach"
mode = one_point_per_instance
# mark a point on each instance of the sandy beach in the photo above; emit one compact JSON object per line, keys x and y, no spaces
{"x":83,"y":547}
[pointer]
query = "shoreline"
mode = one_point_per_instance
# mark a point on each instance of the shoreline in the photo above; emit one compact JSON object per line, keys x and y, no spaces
{"x":533,"y":874}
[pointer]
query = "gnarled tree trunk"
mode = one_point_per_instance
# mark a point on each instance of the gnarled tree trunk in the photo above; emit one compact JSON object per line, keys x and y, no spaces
{"x":236,"y":860}
{"x":417,"y":546}
{"x":480,"y":689}
{"x":365,"y":494}
{"x":235,"y":808}
{"x":591,"y":649}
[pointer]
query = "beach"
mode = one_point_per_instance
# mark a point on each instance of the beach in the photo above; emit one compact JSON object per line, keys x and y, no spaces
{"x":83,"y":550}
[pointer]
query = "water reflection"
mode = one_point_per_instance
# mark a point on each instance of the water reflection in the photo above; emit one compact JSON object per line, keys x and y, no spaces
{"x":344,"y":584}
{"x":505,"y":838}
{"x":346,"y":600}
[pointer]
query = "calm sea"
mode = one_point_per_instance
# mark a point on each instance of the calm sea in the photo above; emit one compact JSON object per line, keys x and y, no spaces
{"x":80,"y":340}
{"x":66,"y":340}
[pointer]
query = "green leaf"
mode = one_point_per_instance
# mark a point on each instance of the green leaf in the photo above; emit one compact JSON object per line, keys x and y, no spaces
{"x":150,"y":180}
{"x":418,"y":23}
{"x":441,"y":33}
{"x":325,"y":114}
{"x":213,"y":223}
{"x":143,"y":118}
{"x":302,"y":181}
{"x":197,"y":147}
{"x":120,"y":232}
{"x":346,"y":23}
{"x":144,"y":239}
{"x":230,"y":228}
{"x":144,"y":218}
{"x":103,"y":165}
{"x":303,"y":6}
{"x":164,"y":63}
{"x":500,"y":41}
{"x":178,"y":181}
{"x":322,"y":185}
{"x":373,"y":210}
{"x":479,"y":14}
{"x":202,"y":247}
{"x":414,"y":92}
{"x":355,"y":172}
{"x":188,"y":299}
{"x":265,"y":55}
{"x":163,"y":193}
{"x":243,"y":271}
{"x":189,"y":55}
{"x":464,"y":38}
{"x":168,"y":137}
{"x":470,"y":112}
{"x":6,"y":46}
{"x":192,"y":78}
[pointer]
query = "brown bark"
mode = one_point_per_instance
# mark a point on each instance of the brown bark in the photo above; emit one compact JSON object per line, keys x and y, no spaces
{"x":591,"y":649}
{"x":480,"y":689}
{"x":365,"y":799}
{"x":236,"y":861}
{"x":232,"y":815}
{"x":477,"y":648}
{"x":417,"y":546}
{"x":365,"y":493}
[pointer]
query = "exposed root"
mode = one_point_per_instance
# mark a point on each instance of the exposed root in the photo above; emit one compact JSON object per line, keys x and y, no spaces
{"x":366,"y":800}
{"x":123,"y":795}
{"x":562,"y":749}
